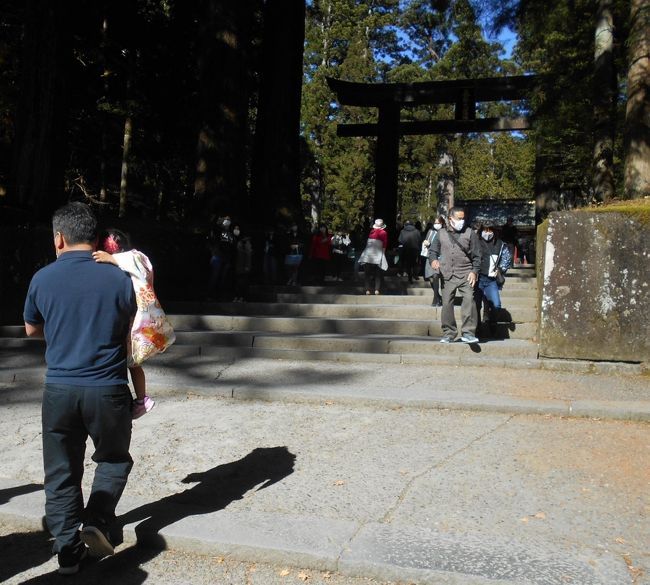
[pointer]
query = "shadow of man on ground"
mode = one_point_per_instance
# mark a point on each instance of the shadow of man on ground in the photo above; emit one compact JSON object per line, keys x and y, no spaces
{"x":20,"y":551}
{"x":19,"y":490}
{"x":216,"y":488}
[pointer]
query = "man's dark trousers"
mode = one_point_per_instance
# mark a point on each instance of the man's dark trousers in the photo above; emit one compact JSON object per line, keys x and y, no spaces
{"x":70,"y":415}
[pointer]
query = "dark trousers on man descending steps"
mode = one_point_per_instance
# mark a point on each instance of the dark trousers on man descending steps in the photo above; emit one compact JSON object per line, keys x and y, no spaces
{"x":70,"y":415}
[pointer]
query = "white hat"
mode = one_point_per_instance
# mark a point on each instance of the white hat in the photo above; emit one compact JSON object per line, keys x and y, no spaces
{"x":379,"y":223}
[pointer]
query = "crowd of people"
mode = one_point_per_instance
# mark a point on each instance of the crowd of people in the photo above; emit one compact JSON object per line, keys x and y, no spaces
{"x":456,"y":259}
{"x":441,"y":253}
{"x":278,"y":255}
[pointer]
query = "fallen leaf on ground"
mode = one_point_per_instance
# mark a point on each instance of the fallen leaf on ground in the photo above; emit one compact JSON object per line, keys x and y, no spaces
{"x":619,"y":540}
{"x":303,"y":576}
{"x":284,"y":572}
{"x":540,"y":516}
{"x":339,"y":482}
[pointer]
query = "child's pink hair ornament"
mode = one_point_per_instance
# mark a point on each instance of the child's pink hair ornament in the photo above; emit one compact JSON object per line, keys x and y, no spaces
{"x":110,"y":245}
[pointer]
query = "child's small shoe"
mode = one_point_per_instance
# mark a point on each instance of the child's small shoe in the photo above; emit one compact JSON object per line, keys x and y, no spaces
{"x":142,"y":407}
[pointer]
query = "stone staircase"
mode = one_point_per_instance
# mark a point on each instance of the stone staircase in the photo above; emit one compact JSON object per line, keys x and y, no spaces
{"x":337,"y":321}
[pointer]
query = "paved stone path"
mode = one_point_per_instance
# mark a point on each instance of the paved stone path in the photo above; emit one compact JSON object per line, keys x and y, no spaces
{"x":348,"y":472}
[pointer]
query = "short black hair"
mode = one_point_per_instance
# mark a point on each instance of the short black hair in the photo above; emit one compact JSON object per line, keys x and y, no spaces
{"x":76,"y":222}
{"x":455,"y":210}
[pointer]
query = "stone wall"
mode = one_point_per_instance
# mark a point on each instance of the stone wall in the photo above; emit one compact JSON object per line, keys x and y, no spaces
{"x":594,"y":277}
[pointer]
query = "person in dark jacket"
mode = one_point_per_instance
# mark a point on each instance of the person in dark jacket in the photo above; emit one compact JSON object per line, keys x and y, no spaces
{"x":410,"y":240}
{"x":457,"y":253}
{"x":494,"y":254}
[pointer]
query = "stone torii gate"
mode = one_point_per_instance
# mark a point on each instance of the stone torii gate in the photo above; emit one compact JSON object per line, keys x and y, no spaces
{"x":390,"y":98}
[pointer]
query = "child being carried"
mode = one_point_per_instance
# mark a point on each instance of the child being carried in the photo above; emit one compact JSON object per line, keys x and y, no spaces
{"x":151,"y":332}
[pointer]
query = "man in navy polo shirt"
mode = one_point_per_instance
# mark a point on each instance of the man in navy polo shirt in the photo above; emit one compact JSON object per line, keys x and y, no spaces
{"x":83,"y":309}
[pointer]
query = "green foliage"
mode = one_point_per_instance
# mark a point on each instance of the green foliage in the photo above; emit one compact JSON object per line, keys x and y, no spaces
{"x":416,"y":40}
{"x":146,"y":67}
{"x":556,"y":39}
{"x":496,"y":167}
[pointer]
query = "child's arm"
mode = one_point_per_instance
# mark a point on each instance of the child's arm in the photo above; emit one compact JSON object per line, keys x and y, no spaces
{"x":135,"y":263}
{"x":104,"y":257}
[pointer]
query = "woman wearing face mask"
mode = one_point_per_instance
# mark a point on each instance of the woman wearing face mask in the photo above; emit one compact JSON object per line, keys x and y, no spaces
{"x":431,"y":274}
{"x":494,"y":254}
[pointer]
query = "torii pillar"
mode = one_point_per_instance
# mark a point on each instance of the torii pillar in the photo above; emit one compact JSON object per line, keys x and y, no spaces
{"x":386,"y":165}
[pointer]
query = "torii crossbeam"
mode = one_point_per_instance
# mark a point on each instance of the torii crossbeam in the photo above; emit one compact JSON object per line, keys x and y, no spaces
{"x":390,"y":98}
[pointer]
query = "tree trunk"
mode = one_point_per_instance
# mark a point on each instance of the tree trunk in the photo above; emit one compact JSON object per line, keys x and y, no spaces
{"x":637,"y":115}
{"x":446,"y":184}
{"x":547,"y":190}
{"x":126,"y":150}
{"x":604,"y":103}
{"x":275,"y":181}
{"x":41,"y":141}
{"x":220,"y":181}
{"x":325,"y":27}
{"x":131,"y":64}
{"x":105,"y":74}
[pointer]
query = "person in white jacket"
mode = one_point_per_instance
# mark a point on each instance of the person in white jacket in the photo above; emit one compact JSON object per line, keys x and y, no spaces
{"x":151,"y":332}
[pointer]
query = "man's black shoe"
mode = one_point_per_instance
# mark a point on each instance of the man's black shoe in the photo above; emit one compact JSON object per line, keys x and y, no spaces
{"x":70,"y":557}
{"x":97,"y":540}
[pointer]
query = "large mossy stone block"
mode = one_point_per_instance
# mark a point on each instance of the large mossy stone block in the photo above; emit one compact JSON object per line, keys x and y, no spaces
{"x":595,"y":286}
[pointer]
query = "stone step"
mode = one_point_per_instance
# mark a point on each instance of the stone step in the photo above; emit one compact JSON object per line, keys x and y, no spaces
{"x":12,"y":331}
{"x":423,"y":311}
{"x":396,"y":345}
{"x":207,"y":332}
{"x":347,"y":348}
{"x":357,"y":288}
{"x":521,"y":297}
{"x":242,"y":336}
{"x":307,"y":346}
{"x":215,"y":325}
{"x":352,"y":326}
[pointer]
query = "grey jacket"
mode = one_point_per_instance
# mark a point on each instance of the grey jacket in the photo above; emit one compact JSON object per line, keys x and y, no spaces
{"x":456,"y":260}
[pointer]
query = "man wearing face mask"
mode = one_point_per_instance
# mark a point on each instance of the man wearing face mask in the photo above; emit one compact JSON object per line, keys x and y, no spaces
{"x":456,"y":252}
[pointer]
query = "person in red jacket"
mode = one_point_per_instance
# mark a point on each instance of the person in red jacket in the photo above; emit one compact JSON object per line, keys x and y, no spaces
{"x":373,"y":258}
{"x":320,"y":252}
